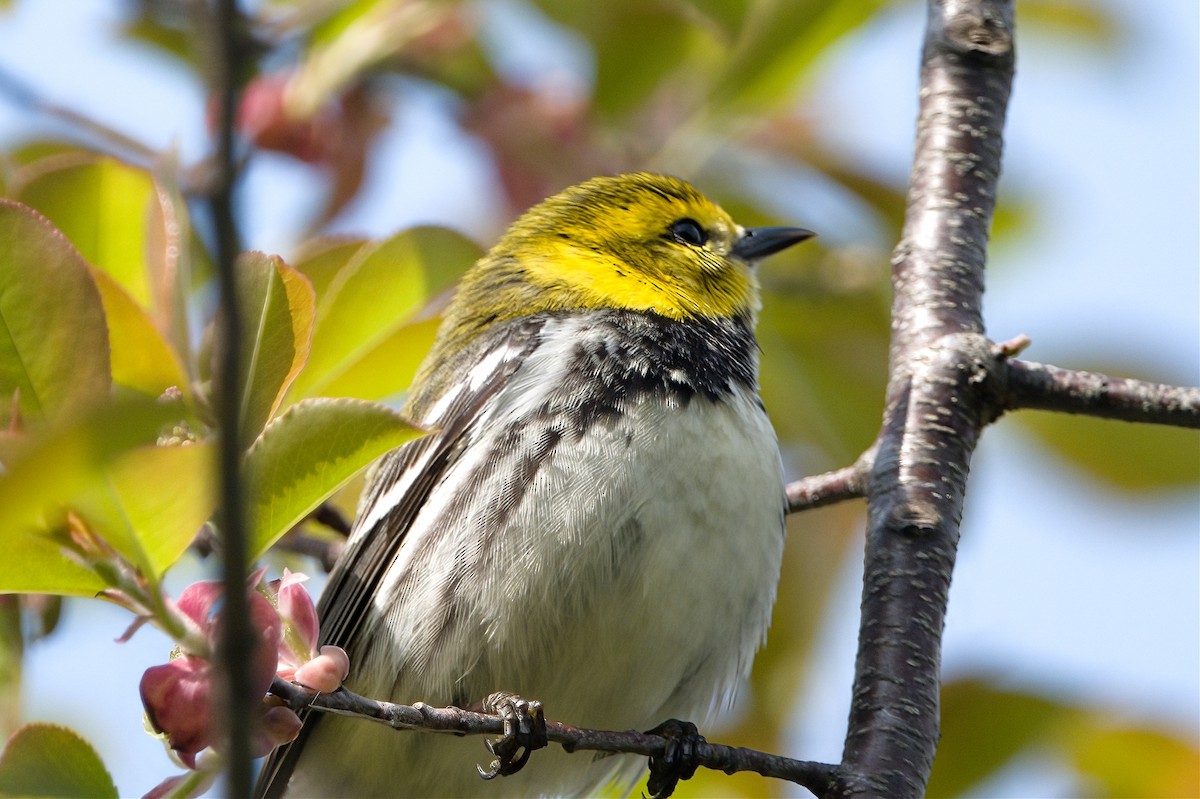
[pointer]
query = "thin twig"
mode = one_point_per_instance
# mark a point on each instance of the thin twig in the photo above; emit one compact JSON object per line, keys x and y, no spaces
{"x":818,"y":490}
{"x":731,"y":759}
{"x":324,"y":550}
{"x":1038,"y":385}
{"x":330,"y":516}
{"x":236,"y":636}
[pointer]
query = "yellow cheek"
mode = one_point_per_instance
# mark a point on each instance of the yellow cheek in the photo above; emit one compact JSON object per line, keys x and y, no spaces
{"x":583,"y":278}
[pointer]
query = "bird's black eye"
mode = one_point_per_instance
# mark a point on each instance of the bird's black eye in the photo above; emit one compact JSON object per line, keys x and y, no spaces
{"x":688,"y":231}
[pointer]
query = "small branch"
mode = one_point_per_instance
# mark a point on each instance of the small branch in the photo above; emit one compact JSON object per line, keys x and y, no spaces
{"x":328,"y":515}
{"x":816,"y":777}
{"x":1037,"y":385}
{"x":325,"y":551}
{"x":818,"y":490}
{"x":236,"y":638}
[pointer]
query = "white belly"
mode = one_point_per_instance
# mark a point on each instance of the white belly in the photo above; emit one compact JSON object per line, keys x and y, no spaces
{"x":638,"y":591}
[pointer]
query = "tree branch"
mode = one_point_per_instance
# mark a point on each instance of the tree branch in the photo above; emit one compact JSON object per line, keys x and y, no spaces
{"x":1037,"y":385}
{"x":941,"y":385}
{"x":731,"y":759}
{"x":849,"y":482}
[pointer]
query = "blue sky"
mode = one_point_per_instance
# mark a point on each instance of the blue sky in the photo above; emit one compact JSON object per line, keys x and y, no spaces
{"x":1062,"y":584}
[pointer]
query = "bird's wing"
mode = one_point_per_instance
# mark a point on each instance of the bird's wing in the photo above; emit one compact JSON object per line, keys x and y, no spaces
{"x":398,"y":489}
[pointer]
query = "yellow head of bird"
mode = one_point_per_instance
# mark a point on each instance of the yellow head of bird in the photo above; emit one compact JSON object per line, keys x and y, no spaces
{"x":638,"y":242}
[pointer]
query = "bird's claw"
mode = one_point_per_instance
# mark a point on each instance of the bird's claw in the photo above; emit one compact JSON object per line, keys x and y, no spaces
{"x":524,"y":731}
{"x":678,"y":761}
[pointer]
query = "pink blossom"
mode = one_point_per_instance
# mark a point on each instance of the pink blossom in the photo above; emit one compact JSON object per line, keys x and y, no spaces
{"x":178,"y":699}
{"x":178,"y":696}
{"x":301,"y":629}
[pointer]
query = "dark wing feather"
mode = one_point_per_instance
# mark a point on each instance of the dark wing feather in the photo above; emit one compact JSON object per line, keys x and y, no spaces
{"x":357,"y":575}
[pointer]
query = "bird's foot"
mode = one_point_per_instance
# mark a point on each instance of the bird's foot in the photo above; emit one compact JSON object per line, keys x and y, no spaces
{"x":678,"y":761}
{"x":524,"y":731}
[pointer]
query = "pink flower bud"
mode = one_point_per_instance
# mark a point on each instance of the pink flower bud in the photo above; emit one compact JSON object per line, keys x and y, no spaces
{"x":178,"y":700}
{"x":277,"y":725}
{"x":326,"y":671}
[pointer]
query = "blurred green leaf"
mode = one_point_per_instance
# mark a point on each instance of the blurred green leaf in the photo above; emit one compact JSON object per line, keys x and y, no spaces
{"x":53,"y":336}
{"x":636,"y":45}
{"x":730,"y":15}
{"x":983,"y":727}
{"x":1132,"y":457}
{"x":646,"y":44}
{"x":825,"y":369}
{"x":309,"y":452}
{"x":780,"y":43}
{"x":53,"y":761}
{"x":35,"y":150}
{"x":320,"y":260}
{"x":12,"y":651}
{"x":278,"y":306}
{"x":167,"y":27}
{"x":1128,"y":760}
{"x":152,"y":528}
{"x":381,"y":290}
{"x":176,"y":262}
{"x":43,"y":474}
{"x":358,"y":38}
{"x":101,"y":205}
{"x":141,"y":358}
{"x":332,"y":21}
{"x":1080,"y":19}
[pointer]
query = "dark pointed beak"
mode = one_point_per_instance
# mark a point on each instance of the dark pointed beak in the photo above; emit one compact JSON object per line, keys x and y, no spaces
{"x":759,"y":242}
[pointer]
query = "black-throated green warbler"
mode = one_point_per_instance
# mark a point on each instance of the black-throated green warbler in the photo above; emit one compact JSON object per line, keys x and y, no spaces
{"x":596,"y":521}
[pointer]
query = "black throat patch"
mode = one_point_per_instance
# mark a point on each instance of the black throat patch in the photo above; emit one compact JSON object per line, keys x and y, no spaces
{"x":635,"y":353}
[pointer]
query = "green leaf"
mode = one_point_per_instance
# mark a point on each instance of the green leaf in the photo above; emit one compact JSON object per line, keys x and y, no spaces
{"x":278,"y":306}
{"x":101,"y":205}
{"x":321,"y":260}
{"x":141,"y":358}
{"x":983,"y":728}
{"x":1133,"y":457}
{"x":780,"y":43}
{"x":636,"y":44}
{"x":152,"y":528}
{"x":176,"y":261}
{"x":730,"y":17}
{"x":53,"y":761}
{"x":44,"y":474}
{"x":53,"y":336}
{"x":373,"y":297}
{"x":1083,"y":20}
{"x":646,"y":44}
{"x":306,"y":454}
{"x":1131,"y":760}
{"x":12,"y":651}
{"x":388,"y":368}
{"x":824,"y":368}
